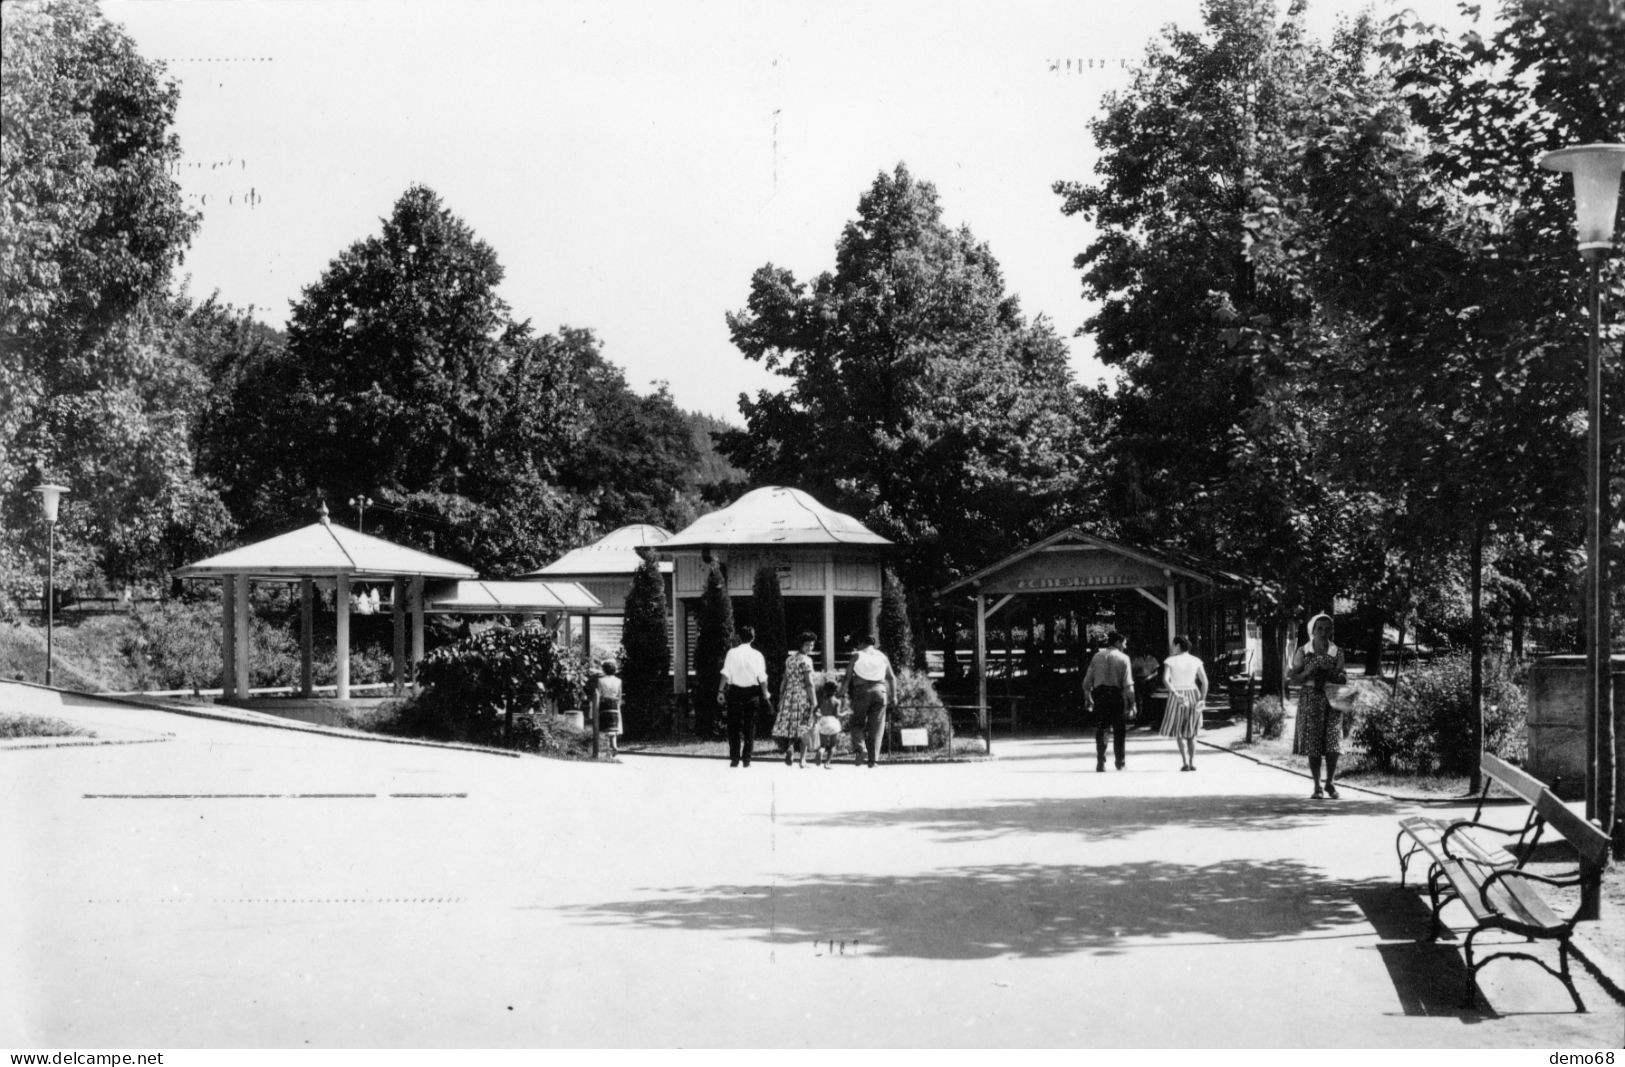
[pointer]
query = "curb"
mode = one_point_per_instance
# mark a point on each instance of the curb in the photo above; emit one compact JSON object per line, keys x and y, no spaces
{"x":84,"y":742}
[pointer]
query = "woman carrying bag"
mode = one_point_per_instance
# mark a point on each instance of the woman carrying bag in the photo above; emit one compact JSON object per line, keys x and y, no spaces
{"x":1319,"y":730}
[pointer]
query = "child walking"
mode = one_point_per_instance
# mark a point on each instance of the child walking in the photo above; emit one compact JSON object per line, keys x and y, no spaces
{"x":828,"y":726}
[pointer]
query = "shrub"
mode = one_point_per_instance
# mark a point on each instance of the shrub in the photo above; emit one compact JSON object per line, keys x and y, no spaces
{"x":646,"y":641}
{"x":12,"y":726}
{"x":1429,"y":724}
{"x":919,"y":705}
{"x":711,"y":646}
{"x":473,"y":688}
{"x":1269,"y":717}
{"x":896,"y":636}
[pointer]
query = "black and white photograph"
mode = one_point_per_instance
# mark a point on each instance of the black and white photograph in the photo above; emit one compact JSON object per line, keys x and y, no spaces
{"x":583,"y":525}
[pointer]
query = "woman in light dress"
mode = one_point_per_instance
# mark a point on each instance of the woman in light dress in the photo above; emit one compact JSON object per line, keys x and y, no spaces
{"x":1318,"y":731}
{"x":1185,"y":678}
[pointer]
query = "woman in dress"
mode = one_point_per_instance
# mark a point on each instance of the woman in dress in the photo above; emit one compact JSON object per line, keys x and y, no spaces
{"x":1185,"y":678}
{"x":606,"y":705}
{"x":798,"y":704}
{"x":1319,"y":730}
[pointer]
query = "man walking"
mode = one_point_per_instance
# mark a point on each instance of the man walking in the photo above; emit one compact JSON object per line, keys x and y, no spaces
{"x":743,"y":691}
{"x":870,"y":685}
{"x":1108,"y":689}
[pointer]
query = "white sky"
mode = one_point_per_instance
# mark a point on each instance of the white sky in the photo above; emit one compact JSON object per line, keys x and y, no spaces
{"x":632,"y":163}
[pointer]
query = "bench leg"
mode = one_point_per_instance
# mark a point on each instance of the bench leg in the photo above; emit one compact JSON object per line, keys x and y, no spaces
{"x":1469,"y":996}
{"x":1404,"y":858}
{"x":1566,"y":976}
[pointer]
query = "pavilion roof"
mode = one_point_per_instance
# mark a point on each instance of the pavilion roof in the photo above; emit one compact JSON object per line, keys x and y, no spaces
{"x":479,"y":597}
{"x":613,"y":555}
{"x":775,"y":515}
{"x":322,"y":550}
{"x":1171,"y":561}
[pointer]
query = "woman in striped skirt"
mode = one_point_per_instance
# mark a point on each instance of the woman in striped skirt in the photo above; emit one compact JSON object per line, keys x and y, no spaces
{"x":1186,"y":681}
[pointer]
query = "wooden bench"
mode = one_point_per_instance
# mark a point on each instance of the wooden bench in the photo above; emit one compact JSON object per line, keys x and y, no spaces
{"x":1502,"y":896}
{"x":1423,"y":833}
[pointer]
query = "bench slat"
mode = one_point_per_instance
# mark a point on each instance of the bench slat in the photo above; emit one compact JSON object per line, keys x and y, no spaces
{"x":1587,"y":838}
{"x":1518,"y":780}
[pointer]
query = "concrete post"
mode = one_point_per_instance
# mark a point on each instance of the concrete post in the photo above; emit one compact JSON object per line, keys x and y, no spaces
{"x":341,"y":617}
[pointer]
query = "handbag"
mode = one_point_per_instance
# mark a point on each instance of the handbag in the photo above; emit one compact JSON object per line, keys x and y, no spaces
{"x":1341,"y":696}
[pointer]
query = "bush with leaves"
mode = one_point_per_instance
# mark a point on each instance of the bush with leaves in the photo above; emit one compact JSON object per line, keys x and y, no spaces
{"x":646,"y":649}
{"x":896,"y":635}
{"x":1269,"y":717}
{"x":710,"y":649}
{"x":918,"y":705}
{"x":1428,"y":725}
{"x":176,"y":645}
{"x":474,"y":688}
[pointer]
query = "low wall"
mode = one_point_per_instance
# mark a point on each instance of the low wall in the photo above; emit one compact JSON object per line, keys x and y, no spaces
{"x":1557,"y":720}
{"x":321,"y":711}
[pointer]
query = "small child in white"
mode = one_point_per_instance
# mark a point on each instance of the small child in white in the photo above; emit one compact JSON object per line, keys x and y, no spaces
{"x":828,"y":726}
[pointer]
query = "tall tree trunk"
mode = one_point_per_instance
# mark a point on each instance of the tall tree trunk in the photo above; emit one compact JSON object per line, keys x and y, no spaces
{"x":1399,"y":658}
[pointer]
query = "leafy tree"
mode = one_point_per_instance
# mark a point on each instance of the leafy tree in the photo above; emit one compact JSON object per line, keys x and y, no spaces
{"x":405,"y":380}
{"x":646,"y":638}
{"x":918,"y":398}
{"x":92,"y":390}
{"x":711,"y":647}
{"x":632,"y":462}
{"x":896,"y":638}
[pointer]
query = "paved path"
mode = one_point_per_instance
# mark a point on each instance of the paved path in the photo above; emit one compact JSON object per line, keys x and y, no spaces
{"x":241,"y":886}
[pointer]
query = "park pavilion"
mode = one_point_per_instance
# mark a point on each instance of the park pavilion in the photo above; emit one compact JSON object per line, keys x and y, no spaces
{"x":605,"y":568}
{"x":828,"y":565}
{"x":342,"y":562}
{"x":1073,"y":577}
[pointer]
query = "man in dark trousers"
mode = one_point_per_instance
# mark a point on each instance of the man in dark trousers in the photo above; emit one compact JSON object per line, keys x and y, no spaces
{"x":743,"y":692}
{"x":1108,"y":689}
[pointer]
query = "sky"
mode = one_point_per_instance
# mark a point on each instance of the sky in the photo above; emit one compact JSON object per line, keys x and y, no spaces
{"x":633,"y":162}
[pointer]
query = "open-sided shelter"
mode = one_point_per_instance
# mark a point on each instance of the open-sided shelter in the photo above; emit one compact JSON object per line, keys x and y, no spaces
{"x":828,"y":564}
{"x":337,"y":557}
{"x":1190,"y":597}
{"x":604,"y":569}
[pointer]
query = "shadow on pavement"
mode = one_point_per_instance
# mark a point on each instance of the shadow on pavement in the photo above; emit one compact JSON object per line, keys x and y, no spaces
{"x":1108,"y":818}
{"x":1428,"y":976}
{"x":1022,"y":910}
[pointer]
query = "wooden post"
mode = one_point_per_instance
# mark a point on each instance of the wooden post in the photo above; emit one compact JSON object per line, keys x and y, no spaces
{"x":397,"y":600}
{"x":307,"y":639}
{"x":982,"y":716}
{"x":341,"y":653}
{"x":679,"y":649}
{"x":228,"y":636}
{"x":417,"y":627}
{"x":240,"y":657}
{"x":829,"y":617}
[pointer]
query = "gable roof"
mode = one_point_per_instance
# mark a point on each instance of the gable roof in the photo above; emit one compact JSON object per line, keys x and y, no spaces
{"x":508,"y":598}
{"x":775,"y":515}
{"x":1170,"y":561}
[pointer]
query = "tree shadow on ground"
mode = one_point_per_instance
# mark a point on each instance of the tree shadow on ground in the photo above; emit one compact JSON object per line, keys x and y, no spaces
{"x":1105,"y":818}
{"x":1023,"y":910}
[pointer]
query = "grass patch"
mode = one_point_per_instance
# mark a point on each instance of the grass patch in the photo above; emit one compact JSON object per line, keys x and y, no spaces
{"x":14,"y":726}
{"x":1353,"y":767}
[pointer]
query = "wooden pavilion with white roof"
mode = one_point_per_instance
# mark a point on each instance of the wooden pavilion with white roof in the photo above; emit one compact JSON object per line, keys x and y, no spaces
{"x":827,"y":562}
{"x":338,"y":558}
{"x":605,"y":569}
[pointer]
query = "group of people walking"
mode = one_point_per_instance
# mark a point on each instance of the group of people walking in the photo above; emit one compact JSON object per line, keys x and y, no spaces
{"x":810,"y":717}
{"x":1115,"y":686}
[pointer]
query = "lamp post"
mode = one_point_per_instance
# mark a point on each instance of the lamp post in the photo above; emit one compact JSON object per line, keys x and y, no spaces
{"x":1596,"y":169}
{"x":50,"y":497}
{"x":361,"y":503}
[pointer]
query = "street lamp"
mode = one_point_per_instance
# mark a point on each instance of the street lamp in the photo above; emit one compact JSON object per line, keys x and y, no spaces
{"x":50,"y":498}
{"x":1596,"y":169}
{"x":361,"y":504}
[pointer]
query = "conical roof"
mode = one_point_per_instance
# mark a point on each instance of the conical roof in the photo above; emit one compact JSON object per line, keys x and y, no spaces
{"x":325,"y":549}
{"x":775,"y":515}
{"x":616,"y":553}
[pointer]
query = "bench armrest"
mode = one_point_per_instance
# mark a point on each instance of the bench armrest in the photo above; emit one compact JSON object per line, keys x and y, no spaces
{"x":1470,"y":824}
{"x":1484,"y":888}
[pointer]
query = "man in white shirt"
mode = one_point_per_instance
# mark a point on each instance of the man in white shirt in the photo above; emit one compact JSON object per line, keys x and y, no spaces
{"x":1108,"y":690}
{"x":871,"y":684}
{"x":743,"y":692}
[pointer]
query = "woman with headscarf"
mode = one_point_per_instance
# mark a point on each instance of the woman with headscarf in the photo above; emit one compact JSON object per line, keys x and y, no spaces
{"x":1319,"y":730}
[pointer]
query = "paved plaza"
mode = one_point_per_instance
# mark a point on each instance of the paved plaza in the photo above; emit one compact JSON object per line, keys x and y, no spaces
{"x":216,"y":884}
